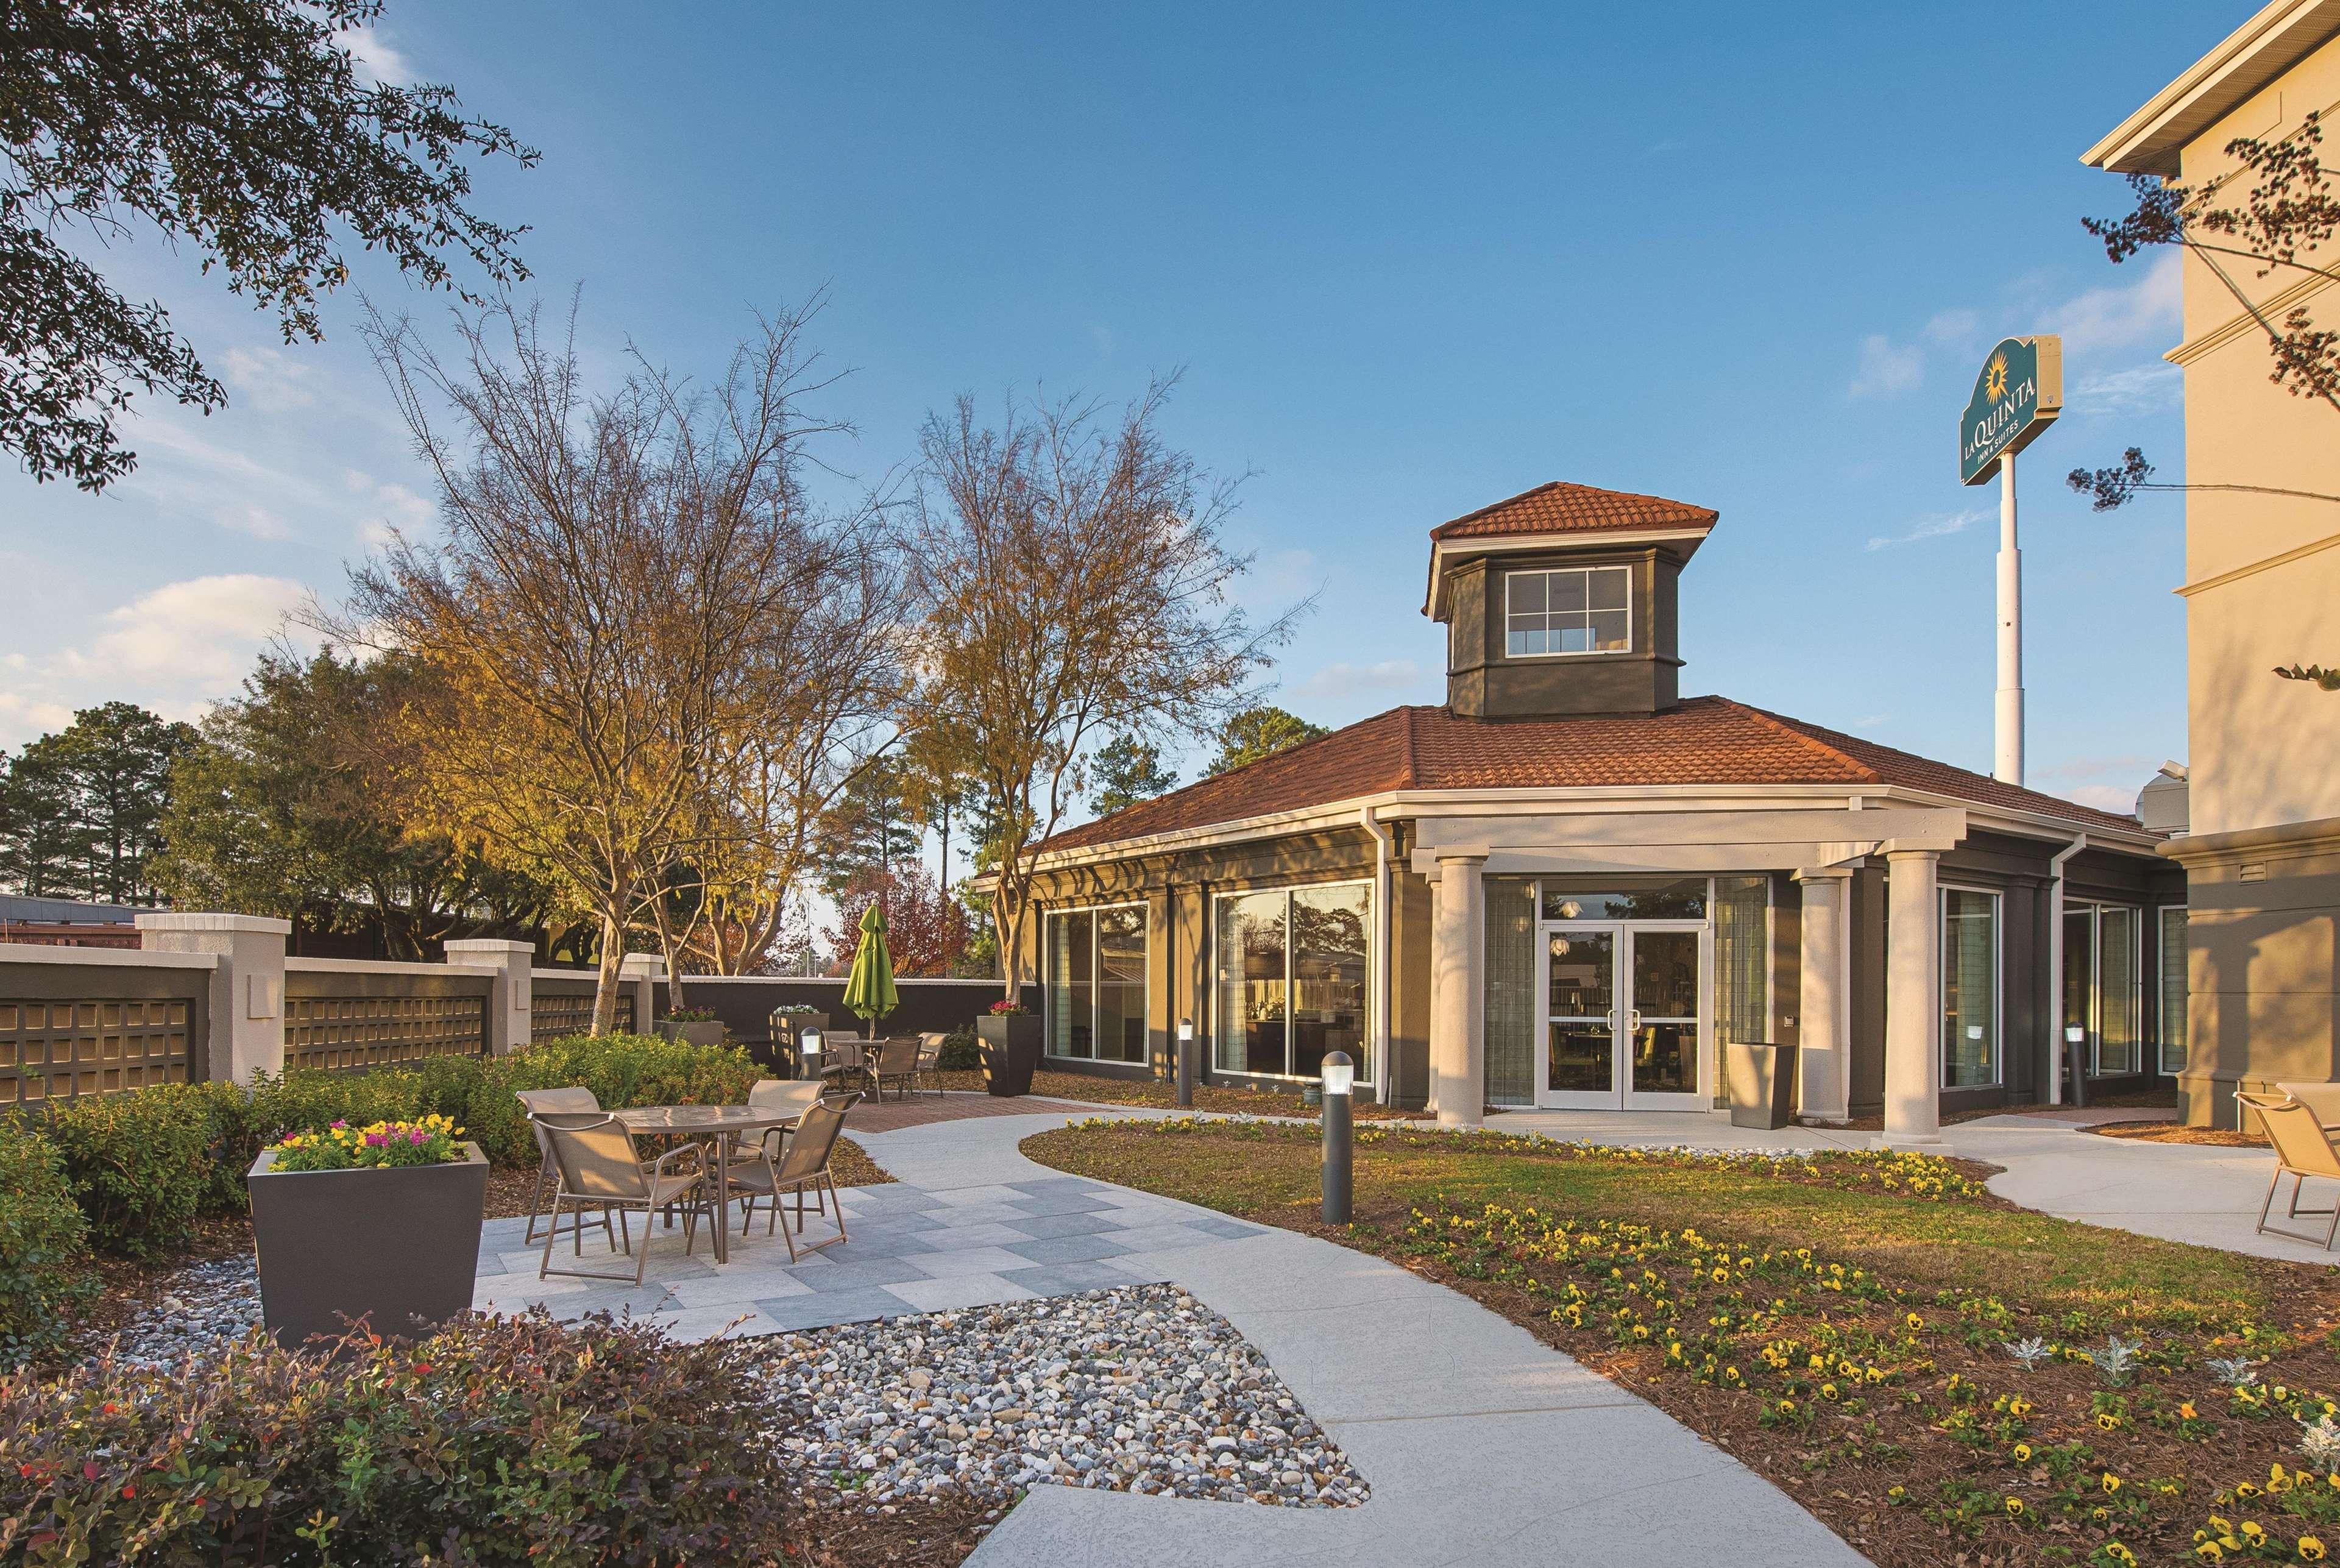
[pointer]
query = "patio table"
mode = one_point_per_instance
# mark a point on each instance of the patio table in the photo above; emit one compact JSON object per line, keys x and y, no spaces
{"x":721,"y":1125}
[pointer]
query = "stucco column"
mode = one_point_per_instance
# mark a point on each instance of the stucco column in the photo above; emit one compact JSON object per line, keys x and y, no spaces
{"x":1458,"y":1055}
{"x":638,"y":976}
{"x":246,"y":1033}
{"x":1823,"y":1012}
{"x":1913,"y":1025}
{"x":513,"y":998}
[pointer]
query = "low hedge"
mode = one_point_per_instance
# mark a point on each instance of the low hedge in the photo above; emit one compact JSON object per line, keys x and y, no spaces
{"x":497,"y":1441}
{"x":962,"y":1051}
{"x":44,"y":1244}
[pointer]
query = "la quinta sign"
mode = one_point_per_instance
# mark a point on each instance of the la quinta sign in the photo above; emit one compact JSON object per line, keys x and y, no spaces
{"x":2018,"y":393}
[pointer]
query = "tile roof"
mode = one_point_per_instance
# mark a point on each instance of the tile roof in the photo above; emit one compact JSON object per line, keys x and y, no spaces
{"x":1558,"y":508}
{"x":1701,"y":740}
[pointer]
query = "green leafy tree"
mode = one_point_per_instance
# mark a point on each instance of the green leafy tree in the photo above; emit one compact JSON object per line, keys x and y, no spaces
{"x":81,"y":810}
{"x":238,"y":130}
{"x":1125,"y":771}
{"x":288,"y":805}
{"x":1257,"y":733}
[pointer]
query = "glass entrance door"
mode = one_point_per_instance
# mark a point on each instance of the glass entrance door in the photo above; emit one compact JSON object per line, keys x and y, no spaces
{"x":1624,"y":1014}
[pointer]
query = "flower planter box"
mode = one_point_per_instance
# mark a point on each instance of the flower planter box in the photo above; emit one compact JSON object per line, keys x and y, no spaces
{"x":709,"y":1033}
{"x":388,"y":1246}
{"x":1010,"y":1043}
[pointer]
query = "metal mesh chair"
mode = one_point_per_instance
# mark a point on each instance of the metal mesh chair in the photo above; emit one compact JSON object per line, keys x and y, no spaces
{"x":2301,"y":1149}
{"x":897,"y":1064}
{"x":804,"y":1164}
{"x":930,"y":1057}
{"x":600,"y":1167}
{"x":534,"y":1101}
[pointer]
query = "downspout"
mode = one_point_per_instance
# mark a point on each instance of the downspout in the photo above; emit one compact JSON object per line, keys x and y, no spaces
{"x":1384,"y":1074}
{"x":2056,"y":973}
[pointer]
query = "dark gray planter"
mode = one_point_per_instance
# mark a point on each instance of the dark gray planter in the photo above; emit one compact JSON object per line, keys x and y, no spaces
{"x":1011,"y":1050}
{"x":1761,"y":1077}
{"x":388,"y":1246}
{"x":709,"y":1033}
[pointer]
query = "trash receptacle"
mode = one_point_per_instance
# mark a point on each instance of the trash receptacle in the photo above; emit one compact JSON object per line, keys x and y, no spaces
{"x":1762,"y":1083}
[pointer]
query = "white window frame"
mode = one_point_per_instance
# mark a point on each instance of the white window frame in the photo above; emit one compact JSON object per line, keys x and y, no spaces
{"x":2095,"y":1021}
{"x":1048,"y":985}
{"x":1368,"y":1070}
{"x":2168,"y":963}
{"x":1548,"y":572}
{"x":1997,"y":983}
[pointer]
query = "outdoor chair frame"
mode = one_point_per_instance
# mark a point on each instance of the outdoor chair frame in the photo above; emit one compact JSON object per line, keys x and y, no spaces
{"x":804,"y":1164}
{"x":930,"y":1057}
{"x":2301,"y":1149}
{"x":568,"y":1101}
{"x":899,"y":1061}
{"x":600,"y":1167}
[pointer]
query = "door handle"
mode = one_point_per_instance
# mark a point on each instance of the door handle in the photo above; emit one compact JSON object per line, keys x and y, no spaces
{"x":1636,"y":1025}
{"x":1609,"y":1020}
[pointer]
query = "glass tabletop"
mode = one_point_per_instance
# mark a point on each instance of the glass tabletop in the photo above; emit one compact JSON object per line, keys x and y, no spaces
{"x":704,"y":1118}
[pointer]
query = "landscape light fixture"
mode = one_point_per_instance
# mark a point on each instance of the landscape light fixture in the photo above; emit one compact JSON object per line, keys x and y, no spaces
{"x":1183,"y":1069}
{"x":1340,"y":1076}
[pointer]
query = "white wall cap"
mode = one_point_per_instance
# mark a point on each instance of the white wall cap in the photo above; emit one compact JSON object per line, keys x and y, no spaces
{"x":174,"y":920}
{"x":488,"y":945}
{"x":105,"y":957}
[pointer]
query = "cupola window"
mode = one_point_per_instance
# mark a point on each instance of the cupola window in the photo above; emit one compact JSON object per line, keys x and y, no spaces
{"x":1575,"y":609}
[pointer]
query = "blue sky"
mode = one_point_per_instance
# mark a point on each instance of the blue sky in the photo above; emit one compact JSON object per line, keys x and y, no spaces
{"x":1410,"y":260}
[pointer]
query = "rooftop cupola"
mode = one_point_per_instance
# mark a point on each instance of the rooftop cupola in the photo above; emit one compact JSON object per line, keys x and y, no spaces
{"x":1561,"y":602}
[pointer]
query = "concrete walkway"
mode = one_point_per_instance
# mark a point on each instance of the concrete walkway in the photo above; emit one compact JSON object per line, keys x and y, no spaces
{"x":1483,"y":1445}
{"x":2194,"y":1193}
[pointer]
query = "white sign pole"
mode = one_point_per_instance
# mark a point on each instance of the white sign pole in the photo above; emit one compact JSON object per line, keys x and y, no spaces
{"x":2008,"y":748}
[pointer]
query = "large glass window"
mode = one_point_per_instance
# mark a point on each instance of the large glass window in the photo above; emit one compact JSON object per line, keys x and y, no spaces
{"x":1291,"y":979}
{"x":1625,"y":898}
{"x":1970,"y":1002}
{"x":1742,"y":965}
{"x":1580,"y":609}
{"x":1097,"y":984}
{"x":2173,"y":989}
{"x":1513,"y":1014}
{"x":2118,"y":1027}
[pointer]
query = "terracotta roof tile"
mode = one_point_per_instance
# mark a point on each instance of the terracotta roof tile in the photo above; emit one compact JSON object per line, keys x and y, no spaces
{"x":1559,"y":508}
{"x":1702,"y":740}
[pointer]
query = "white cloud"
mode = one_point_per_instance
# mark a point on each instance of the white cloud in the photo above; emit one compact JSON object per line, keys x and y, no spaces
{"x":1341,"y":679}
{"x":2145,"y":309}
{"x":203,"y":631}
{"x":1885,"y":369}
{"x":2106,"y":798}
{"x":1953,"y":326}
{"x":377,"y":62}
{"x":2139,"y":390}
{"x":270,"y":378}
{"x":397,"y":510}
{"x":1933,"y":526}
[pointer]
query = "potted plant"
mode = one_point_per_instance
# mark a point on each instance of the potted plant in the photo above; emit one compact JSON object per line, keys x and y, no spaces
{"x":1010,"y":1038}
{"x":789,"y":1024}
{"x":693,"y":1026}
{"x":379,"y":1223}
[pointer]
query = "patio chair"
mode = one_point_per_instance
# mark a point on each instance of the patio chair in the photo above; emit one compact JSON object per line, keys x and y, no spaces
{"x":2322,"y":1099}
{"x":897,"y":1064}
{"x":805,"y":1165}
{"x":930,"y":1057}
{"x":2301,"y":1149}
{"x":534,"y":1101}
{"x":764,"y":1151}
{"x":846,"y":1060}
{"x":600,"y":1167}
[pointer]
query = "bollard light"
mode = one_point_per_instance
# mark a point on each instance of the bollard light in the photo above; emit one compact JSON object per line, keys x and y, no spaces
{"x":1183,"y":1069}
{"x":808,"y":1054}
{"x":1339,"y":1078}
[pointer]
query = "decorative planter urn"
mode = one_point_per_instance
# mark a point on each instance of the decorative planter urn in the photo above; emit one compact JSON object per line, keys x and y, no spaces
{"x":389,"y":1245}
{"x":708,"y":1033}
{"x":1011,"y":1050}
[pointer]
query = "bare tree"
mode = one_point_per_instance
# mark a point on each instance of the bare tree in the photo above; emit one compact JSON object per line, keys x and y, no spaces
{"x":612,"y":600}
{"x":1070,"y":581}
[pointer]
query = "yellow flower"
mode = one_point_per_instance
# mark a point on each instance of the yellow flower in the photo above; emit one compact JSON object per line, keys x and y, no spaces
{"x":2311,"y":1549}
{"x":2210,"y":1552}
{"x":2023,"y":1453}
{"x":2015,"y":1508}
{"x":2187,"y":1410}
{"x":2110,"y":1422}
{"x":2112,"y":1482}
{"x":2119,"y":1554}
{"x":2253,"y":1532}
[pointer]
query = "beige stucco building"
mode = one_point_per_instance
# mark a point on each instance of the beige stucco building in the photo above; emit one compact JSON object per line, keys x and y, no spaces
{"x":2262,"y":586}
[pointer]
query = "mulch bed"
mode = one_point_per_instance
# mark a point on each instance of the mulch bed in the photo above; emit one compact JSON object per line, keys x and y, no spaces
{"x":1147,"y":1092}
{"x":937,"y":1534}
{"x":2175,"y":1133}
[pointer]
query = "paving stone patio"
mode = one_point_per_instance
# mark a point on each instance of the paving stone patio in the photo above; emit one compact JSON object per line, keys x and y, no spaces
{"x":908,"y":1250}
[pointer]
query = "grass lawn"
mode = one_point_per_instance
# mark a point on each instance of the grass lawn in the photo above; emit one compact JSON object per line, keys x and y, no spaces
{"x":1842,"y":1324}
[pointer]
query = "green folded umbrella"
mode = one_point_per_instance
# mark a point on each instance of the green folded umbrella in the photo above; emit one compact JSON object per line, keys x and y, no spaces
{"x":869,"y":990}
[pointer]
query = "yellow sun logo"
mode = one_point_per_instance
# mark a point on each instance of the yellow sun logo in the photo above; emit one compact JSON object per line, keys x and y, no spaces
{"x":1994,"y":378}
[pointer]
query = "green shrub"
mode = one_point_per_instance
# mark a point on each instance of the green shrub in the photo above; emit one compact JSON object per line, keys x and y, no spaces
{"x":962,"y":1050}
{"x":44,"y":1244}
{"x":136,"y":1163}
{"x":497,"y":1441}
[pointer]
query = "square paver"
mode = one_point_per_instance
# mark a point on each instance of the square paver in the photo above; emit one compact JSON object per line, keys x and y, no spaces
{"x":989,"y":1234}
{"x":1068,"y":1203}
{"x":1042,"y":1226}
{"x":1063,"y":1183}
{"x":975,"y":1197}
{"x":964,"y":1291}
{"x":969,"y":1260}
{"x":825,"y":1308}
{"x":1224,"y":1229}
{"x":739,"y":1287}
{"x":740,"y":1322}
{"x":1068,"y":1249}
{"x":1164,"y":1237}
{"x":868,"y":1247}
{"x":1070,"y":1278}
{"x":843,"y":1277}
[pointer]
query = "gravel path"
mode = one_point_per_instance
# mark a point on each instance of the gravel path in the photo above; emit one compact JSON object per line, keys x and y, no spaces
{"x":195,"y":1311}
{"x":1139,"y":1389}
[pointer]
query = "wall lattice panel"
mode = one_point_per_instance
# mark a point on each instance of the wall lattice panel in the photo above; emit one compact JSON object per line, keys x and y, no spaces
{"x":375,"y":1031}
{"x":552,"y":1013}
{"x":54,"y":1049}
